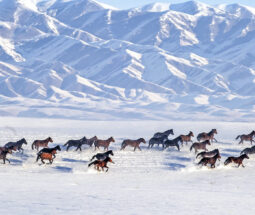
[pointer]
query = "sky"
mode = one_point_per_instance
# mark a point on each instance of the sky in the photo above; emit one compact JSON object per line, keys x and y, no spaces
{"x":125,"y":4}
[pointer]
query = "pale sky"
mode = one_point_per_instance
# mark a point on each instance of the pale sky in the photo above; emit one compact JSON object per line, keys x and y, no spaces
{"x":125,"y":4}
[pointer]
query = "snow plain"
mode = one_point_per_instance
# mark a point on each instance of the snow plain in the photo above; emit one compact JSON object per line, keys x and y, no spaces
{"x":146,"y":182}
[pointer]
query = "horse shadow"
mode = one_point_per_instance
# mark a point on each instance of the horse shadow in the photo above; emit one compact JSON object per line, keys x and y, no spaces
{"x":175,"y":166}
{"x":74,"y":160}
{"x":178,"y":158}
{"x":15,"y":162}
{"x":63,"y":169}
{"x":232,"y":150}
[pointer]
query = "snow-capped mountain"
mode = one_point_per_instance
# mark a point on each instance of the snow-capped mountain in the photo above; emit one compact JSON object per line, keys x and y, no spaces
{"x":87,"y":60}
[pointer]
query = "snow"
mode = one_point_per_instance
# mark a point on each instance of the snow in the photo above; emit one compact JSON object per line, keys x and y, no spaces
{"x":132,"y":185}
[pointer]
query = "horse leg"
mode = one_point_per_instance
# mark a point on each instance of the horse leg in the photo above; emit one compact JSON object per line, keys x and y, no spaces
{"x":215,"y":140}
{"x":67,"y":148}
{"x":42,"y":161}
{"x":139,"y":148}
{"x":107,"y":168}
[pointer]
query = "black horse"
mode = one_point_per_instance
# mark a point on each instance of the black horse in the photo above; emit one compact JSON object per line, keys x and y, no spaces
{"x":157,"y":140}
{"x":208,"y":154}
{"x":248,"y":151}
{"x":16,"y":145}
{"x":76,"y":143}
{"x":102,"y":156}
{"x":167,"y":133}
{"x":173,"y":142}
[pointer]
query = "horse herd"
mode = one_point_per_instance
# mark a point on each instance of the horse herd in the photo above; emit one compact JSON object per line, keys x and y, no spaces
{"x":159,"y":138}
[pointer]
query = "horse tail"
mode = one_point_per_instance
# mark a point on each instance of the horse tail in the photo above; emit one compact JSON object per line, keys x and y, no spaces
{"x":91,"y":163}
{"x":245,"y":151}
{"x":227,"y":161}
{"x":191,"y":148}
{"x":33,"y":145}
{"x":66,"y":143}
{"x":238,"y":137}
{"x":92,"y":157}
{"x":198,"y":137}
{"x":199,"y":154}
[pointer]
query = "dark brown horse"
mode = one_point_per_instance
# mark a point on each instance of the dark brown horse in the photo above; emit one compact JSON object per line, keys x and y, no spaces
{"x":91,"y":141}
{"x":133,"y":143}
{"x":207,"y":136}
{"x":186,"y":138}
{"x":41,"y":143}
{"x":53,"y":150}
{"x":237,"y":160}
{"x":103,"y":143}
{"x":200,"y":146}
{"x":246,"y":137}
{"x":167,"y":133}
{"x":3,"y":155}
{"x":103,"y":164}
{"x":211,"y":161}
{"x":9,"y":149}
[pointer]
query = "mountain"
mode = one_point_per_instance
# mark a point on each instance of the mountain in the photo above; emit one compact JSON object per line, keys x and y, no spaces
{"x":87,"y":60}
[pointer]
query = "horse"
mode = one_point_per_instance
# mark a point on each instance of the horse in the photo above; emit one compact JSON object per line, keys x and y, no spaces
{"x":17,"y":145}
{"x":3,"y":155}
{"x":208,"y":154}
{"x":41,"y":143}
{"x":207,"y":136}
{"x":91,"y":141}
{"x":201,"y":145}
{"x":75,"y":143}
{"x":237,"y":160}
{"x":133,"y":143}
{"x":246,"y":137}
{"x":167,"y":133}
{"x":102,"y":164}
{"x":45,"y":156}
{"x":248,"y":150}
{"x":157,"y":140}
{"x":186,"y":138}
{"x":9,"y":149}
{"x":173,"y":142}
{"x":102,"y":156}
{"x":52,"y":151}
{"x":211,"y":160}
{"x":103,"y":143}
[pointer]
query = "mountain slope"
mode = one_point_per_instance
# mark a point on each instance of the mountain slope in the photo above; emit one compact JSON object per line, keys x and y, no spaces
{"x":160,"y":61}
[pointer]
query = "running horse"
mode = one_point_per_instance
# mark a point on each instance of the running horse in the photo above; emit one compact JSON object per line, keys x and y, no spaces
{"x":211,"y":161}
{"x":200,"y":146}
{"x":102,"y":156}
{"x":16,"y":145}
{"x":237,"y":160}
{"x":207,"y":136}
{"x":133,"y":143}
{"x":167,"y":133}
{"x":186,"y":138}
{"x":48,"y":154}
{"x":208,"y":154}
{"x":75,"y":143}
{"x":173,"y":142}
{"x":103,"y":143}
{"x":103,"y":164}
{"x":246,"y":137}
{"x":41,"y":143}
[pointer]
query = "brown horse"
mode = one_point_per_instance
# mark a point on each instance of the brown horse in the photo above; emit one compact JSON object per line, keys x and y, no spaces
{"x":133,"y":143}
{"x":103,"y":164}
{"x":45,"y":156}
{"x":202,"y":145}
{"x":103,"y":143}
{"x":212,"y":160}
{"x":186,"y":138}
{"x":246,"y":137}
{"x":3,"y":155}
{"x":207,"y":136}
{"x":237,"y":160}
{"x":41,"y":143}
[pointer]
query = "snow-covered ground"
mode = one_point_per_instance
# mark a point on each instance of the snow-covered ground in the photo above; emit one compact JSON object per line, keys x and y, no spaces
{"x":147,"y":182}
